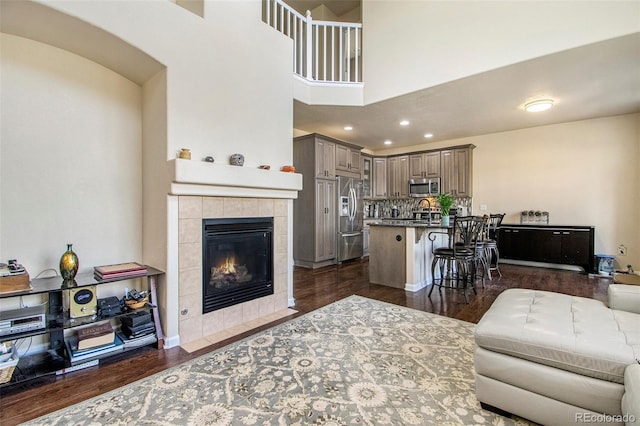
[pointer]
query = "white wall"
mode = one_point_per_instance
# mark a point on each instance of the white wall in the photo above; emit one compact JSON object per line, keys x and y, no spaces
{"x":226,"y":89}
{"x":228,"y":74}
{"x":411,"y":45}
{"x":583,"y":173}
{"x":70,"y":159}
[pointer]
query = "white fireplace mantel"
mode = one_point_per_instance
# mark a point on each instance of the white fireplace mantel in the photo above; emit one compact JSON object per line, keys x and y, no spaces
{"x":210,"y":179}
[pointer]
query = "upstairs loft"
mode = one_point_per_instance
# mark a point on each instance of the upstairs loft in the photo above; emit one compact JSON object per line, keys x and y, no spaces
{"x":327,"y":55}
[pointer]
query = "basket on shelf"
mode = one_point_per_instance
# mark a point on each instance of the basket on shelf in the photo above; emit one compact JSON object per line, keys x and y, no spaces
{"x":7,"y":366}
{"x":136,"y":304}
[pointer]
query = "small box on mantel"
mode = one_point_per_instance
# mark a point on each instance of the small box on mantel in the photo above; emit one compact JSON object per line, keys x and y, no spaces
{"x":15,"y":283}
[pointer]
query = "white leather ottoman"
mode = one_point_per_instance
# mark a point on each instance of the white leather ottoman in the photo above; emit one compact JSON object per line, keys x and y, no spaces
{"x":554,"y":358}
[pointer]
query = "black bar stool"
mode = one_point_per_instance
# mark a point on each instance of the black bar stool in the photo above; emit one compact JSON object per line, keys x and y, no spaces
{"x":492,"y":255}
{"x":457,"y":263}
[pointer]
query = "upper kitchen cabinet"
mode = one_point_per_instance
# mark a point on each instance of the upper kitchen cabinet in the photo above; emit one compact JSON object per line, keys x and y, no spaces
{"x":379,"y":177}
{"x":332,"y":156}
{"x":325,"y":158}
{"x":367,"y":168}
{"x":456,"y":167}
{"x":424,"y":165}
{"x":348,"y":161}
{"x":398,"y":176}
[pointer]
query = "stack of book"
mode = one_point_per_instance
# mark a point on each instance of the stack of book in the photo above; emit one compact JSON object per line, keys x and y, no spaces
{"x":136,"y":329}
{"x":93,"y":342}
{"x":119,"y":271}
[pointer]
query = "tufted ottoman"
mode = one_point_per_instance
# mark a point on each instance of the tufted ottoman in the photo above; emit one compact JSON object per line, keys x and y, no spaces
{"x":554,"y":358}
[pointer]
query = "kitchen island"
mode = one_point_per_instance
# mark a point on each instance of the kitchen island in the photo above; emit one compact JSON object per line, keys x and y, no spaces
{"x":400,"y":252}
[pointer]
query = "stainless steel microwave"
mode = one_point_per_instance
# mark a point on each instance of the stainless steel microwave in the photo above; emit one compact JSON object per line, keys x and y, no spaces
{"x":424,"y":187}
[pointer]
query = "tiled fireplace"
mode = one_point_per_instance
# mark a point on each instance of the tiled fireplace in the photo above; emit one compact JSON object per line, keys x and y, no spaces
{"x":193,"y":324}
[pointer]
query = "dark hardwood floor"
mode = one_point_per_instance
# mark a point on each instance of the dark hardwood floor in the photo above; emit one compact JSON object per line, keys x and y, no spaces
{"x":312,"y":289}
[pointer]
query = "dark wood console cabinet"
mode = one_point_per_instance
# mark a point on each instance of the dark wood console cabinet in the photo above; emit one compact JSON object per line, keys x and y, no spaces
{"x":565,"y":245}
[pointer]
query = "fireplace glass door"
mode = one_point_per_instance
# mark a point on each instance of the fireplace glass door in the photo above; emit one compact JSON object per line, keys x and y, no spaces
{"x":237,"y":261}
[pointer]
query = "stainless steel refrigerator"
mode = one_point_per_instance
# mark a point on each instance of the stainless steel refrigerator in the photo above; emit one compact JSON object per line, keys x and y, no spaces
{"x":350,"y":207}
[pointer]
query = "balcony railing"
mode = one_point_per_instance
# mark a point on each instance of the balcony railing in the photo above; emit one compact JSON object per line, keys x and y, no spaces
{"x":324,"y":51}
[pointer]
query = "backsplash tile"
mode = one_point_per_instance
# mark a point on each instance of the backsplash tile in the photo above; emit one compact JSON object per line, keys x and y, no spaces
{"x":407,"y":205}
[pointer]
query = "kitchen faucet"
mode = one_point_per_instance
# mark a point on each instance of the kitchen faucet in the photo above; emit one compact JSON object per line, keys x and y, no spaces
{"x":428,"y":208}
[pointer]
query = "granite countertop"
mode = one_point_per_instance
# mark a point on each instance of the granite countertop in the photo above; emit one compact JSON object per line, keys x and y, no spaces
{"x":405,"y":223}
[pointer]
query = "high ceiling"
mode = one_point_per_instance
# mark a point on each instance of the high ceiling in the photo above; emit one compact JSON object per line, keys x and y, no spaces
{"x":597,"y":80}
{"x":339,"y":7}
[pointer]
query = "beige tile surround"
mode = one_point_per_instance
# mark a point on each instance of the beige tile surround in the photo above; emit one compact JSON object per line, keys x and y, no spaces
{"x":195,"y":328}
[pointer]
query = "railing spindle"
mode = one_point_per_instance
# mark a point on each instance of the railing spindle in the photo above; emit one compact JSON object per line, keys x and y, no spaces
{"x":268,"y":13}
{"x":357,"y":53}
{"x":309,"y":35}
{"x":348,"y":57}
{"x":275,"y":15}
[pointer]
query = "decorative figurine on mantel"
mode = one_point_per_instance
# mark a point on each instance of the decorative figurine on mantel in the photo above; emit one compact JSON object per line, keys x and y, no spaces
{"x":209,"y":159}
{"x":236,"y":160}
{"x":185,"y":154}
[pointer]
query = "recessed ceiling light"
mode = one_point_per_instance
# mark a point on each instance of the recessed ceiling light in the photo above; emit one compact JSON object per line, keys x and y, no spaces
{"x":404,"y":123}
{"x":388,"y":142}
{"x":347,"y":128}
{"x":539,"y":105}
{"x":428,"y":135}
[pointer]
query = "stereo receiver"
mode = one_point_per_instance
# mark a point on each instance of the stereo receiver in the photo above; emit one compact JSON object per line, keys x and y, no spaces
{"x":21,"y":320}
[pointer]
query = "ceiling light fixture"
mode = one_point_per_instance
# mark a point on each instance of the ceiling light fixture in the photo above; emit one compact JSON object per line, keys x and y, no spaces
{"x":388,"y":142}
{"x":428,"y":135}
{"x":348,"y":128}
{"x":537,"y":106}
{"x":404,"y":123}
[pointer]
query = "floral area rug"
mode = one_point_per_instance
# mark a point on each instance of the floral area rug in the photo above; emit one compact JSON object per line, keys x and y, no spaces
{"x":355,"y":362}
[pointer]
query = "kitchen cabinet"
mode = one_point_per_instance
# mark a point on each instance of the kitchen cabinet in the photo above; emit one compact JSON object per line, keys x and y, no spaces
{"x":387,"y":256}
{"x":365,"y":240}
{"x":314,"y":224}
{"x":565,"y":245}
{"x":398,"y":176}
{"x":325,"y":227}
{"x":325,"y":158}
{"x":348,"y":161}
{"x":314,"y":211}
{"x":456,"y":171}
{"x":367,"y":169}
{"x":424,"y":165}
{"x":379,"y":177}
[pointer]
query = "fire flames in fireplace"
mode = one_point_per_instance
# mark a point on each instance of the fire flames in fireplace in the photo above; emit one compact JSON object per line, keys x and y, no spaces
{"x":229,"y":272}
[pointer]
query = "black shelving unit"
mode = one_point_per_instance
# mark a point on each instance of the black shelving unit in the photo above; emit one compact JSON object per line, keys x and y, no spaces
{"x":55,"y":360}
